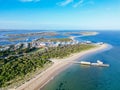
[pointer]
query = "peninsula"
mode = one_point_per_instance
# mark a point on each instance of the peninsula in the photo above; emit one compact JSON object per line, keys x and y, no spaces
{"x":59,"y":65}
{"x":30,"y":65}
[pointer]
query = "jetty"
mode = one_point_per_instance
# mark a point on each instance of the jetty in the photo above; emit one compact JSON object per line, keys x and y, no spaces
{"x":98,"y":63}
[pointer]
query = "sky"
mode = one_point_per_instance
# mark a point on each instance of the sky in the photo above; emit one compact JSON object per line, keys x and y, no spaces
{"x":60,"y":14}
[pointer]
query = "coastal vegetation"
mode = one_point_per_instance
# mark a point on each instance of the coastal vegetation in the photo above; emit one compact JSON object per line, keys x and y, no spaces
{"x":89,"y":33}
{"x":15,"y":68}
{"x":17,"y":39}
{"x":33,"y":34}
{"x":54,"y":40}
{"x":24,"y":36}
{"x":82,"y":33}
{"x":17,"y":52}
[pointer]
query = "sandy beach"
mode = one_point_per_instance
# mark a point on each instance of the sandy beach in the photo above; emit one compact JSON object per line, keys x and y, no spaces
{"x":59,"y":65}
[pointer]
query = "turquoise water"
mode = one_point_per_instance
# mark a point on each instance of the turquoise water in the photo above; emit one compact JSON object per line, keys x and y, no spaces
{"x":79,"y":77}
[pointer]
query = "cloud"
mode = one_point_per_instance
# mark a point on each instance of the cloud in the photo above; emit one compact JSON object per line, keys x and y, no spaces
{"x":29,"y":0}
{"x":64,"y":3}
{"x":83,"y":3}
{"x":78,"y":3}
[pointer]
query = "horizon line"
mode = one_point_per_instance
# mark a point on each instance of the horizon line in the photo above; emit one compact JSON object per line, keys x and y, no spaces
{"x":65,"y":29}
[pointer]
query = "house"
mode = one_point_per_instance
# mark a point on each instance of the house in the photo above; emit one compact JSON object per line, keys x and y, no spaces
{"x":88,"y":42}
{"x":100,"y":43}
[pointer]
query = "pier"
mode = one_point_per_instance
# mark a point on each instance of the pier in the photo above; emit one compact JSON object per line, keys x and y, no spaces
{"x":99,"y":63}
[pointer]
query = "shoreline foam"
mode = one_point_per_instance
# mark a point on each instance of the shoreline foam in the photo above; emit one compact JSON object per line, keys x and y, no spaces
{"x":59,"y":65}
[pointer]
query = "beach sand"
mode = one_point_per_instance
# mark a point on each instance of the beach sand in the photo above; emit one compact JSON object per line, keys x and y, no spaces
{"x":59,"y":65}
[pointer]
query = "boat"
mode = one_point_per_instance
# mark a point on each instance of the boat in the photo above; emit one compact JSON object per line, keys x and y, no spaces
{"x":99,"y":63}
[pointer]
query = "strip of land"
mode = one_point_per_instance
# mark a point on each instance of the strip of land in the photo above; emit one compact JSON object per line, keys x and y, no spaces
{"x":59,"y":64}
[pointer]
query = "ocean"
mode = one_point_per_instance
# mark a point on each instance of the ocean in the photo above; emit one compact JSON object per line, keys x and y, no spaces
{"x":78,"y":77}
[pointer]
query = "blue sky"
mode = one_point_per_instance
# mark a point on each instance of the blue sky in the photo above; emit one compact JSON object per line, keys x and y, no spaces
{"x":60,"y":14}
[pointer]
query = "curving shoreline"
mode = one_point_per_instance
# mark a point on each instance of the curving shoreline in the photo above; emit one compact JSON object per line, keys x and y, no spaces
{"x":59,"y":65}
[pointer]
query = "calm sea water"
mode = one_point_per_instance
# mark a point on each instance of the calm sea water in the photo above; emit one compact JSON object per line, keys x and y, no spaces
{"x":4,"y":38}
{"x":79,"y":77}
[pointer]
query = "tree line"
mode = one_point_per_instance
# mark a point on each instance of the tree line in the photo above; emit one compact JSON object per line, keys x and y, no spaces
{"x":16,"y":68}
